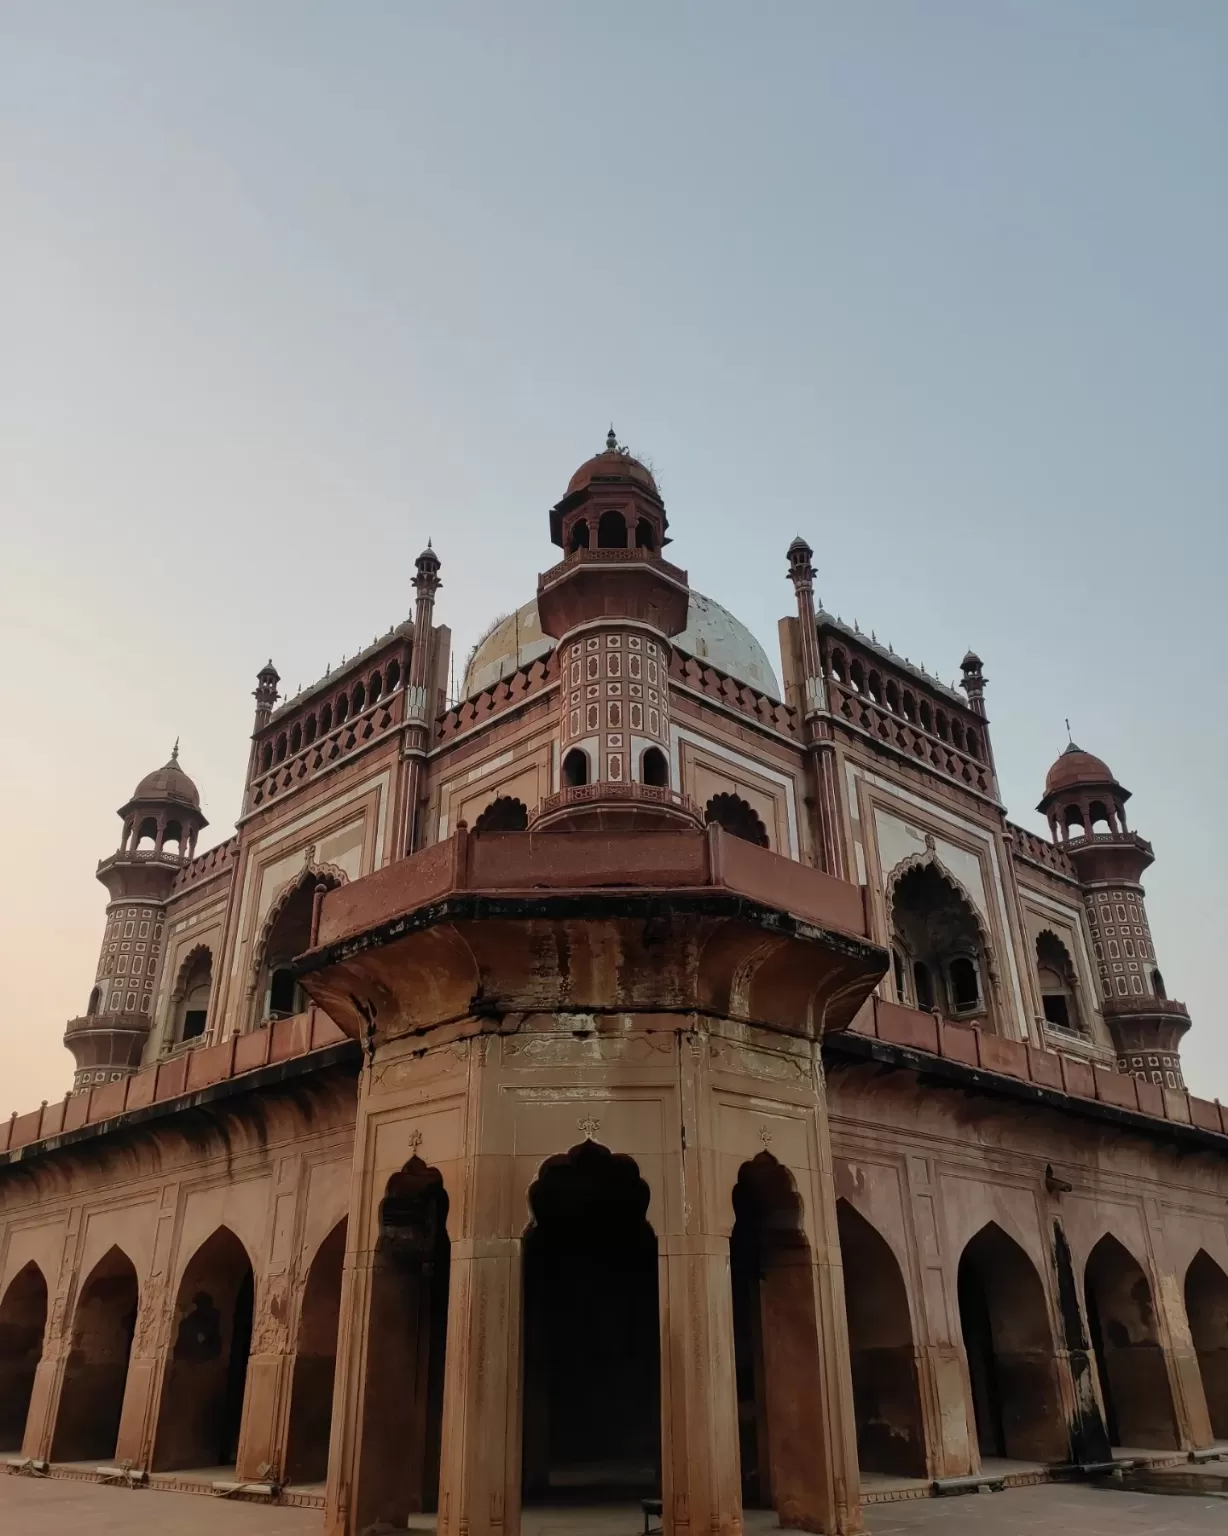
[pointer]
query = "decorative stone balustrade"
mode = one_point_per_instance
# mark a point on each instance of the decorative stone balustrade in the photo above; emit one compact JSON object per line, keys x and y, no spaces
{"x":328,"y":748}
{"x":924,"y":747}
{"x":533,"y":678}
{"x":693,"y":673}
{"x":205,"y":865}
{"x":612,"y":557}
{"x":1039,"y":850}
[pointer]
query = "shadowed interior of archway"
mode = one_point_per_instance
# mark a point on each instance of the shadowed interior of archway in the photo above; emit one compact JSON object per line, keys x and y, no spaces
{"x":887,"y":1402}
{"x":1206,"y":1306}
{"x":92,"y":1395}
{"x":1138,"y":1401}
{"x":1009,"y":1347}
{"x":592,"y":1397}
{"x":23,"y":1317}
{"x":402,"y":1407}
{"x":202,"y":1392}
{"x":315,"y":1363}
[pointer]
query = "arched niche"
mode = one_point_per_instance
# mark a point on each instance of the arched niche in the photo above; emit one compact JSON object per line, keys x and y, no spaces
{"x":23,"y":1321}
{"x":738,"y":818}
{"x":1134,"y":1385}
{"x":1059,"y":987}
{"x":591,"y":1361}
{"x":201,"y":1413}
{"x":402,"y":1403}
{"x":190,"y":999}
{"x":776,"y":1346}
{"x":886,"y":1397}
{"x":941,"y":942}
{"x":96,"y":1372}
{"x":286,"y":934}
{"x":505,"y":814}
{"x":1008,"y":1342}
{"x":1206,"y":1307}
{"x":315,"y":1363}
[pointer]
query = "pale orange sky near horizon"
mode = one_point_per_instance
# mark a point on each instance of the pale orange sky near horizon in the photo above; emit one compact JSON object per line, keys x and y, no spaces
{"x":285,"y":290}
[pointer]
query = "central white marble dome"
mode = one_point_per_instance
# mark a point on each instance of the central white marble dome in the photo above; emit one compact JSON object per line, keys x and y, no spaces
{"x":712,"y":634}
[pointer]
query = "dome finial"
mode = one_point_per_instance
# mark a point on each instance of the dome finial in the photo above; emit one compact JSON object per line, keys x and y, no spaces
{"x":175,"y":752}
{"x":611,"y":441}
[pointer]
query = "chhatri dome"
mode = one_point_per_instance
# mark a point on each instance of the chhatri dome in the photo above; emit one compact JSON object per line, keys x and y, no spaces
{"x":168,"y":783}
{"x":712,"y":633}
{"x":1075,"y":768}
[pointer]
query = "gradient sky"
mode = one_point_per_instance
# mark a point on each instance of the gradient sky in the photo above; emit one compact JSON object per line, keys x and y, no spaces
{"x":287,"y":287}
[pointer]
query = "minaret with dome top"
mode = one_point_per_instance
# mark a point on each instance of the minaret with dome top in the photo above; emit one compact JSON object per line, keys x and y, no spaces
{"x":161,"y":822}
{"x":1086,"y":810}
{"x":613,"y":604}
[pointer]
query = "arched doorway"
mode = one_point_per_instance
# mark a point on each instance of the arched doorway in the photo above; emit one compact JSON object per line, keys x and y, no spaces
{"x":1206,"y":1306}
{"x":287,"y":933}
{"x":776,"y":1346}
{"x":23,"y":1317}
{"x":592,"y":1355}
{"x":96,"y":1373}
{"x":1009,"y":1345}
{"x":402,"y":1411}
{"x":1138,"y":1401}
{"x":890,"y":1434}
{"x":315,"y":1363}
{"x":202,"y":1390}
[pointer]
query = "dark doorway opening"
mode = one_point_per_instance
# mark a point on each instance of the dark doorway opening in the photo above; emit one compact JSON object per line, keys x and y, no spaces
{"x":1206,"y":1306}
{"x":1009,"y":1347}
{"x":1138,"y":1400}
{"x":201,"y":1415}
{"x":592,"y":1366}
{"x":315,"y":1364}
{"x":402,"y":1410}
{"x":92,"y":1394}
{"x":23,"y":1317}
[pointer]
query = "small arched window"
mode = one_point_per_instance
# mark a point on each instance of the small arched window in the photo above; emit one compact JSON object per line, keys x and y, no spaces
{"x":343,"y":708}
{"x":875,"y":685}
{"x":910,"y":706}
{"x":375,"y":688}
{"x":309,"y":730}
{"x":944,"y":730}
{"x":645,"y":538}
{"x":503,"y":815}
{"x":360,"y":698}
{"x":575,"y":768}
{"x":148,"y":829}
{"x":1157,"y":985}
{"x":579,"y":535}
{"x":296,"y":738}
{"x":972,"y":743}
{"x":266,"y":757}
{"x":927,"y":717}
{"x":923,"y":985}
{"x":857,"y":675}
{"x":654,"y":769}
{"x":394,"y":675}
{"x":283,"y":993}
{"x":173,"y":834}
{"x":737,"y":818}
{"x":839,"y":666}
{"x":893,"y":697}
{"x":1099,"y":816}
{"x":897,"y":960}
{"x":1072,"y":820}
{"x":957,"y":734}
{"x":95,"y":1000}
{"x":612,"y":531}
{"x":280,"y":752}
{"x":326,"y":719}
{"x":965,"y":985}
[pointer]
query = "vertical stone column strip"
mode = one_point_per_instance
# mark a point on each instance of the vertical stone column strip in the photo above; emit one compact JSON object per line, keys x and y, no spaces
{"x":941,"y":1369}
{"x":1173,"y":1327}
{"x":479,"y":1476}
{"x":139,"y":1420}
{"x":1089,"y":1440}
{"x":57,"y":1340}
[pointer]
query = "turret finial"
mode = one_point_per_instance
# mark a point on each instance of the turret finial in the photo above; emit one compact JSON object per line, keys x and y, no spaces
{"x":611,"y":442}
{"x":175,"y":752}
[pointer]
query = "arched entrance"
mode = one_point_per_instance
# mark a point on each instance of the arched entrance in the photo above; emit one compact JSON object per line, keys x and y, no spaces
{"x":1009,"y":1345}
{"x":776,"y":1346}
{"x":1138,"y":1401}
{"x":890,"y":1434}
{"x":23,"y":1317}
{"x":202,"y":1390}
{"x":402,"y":1412}
{"x":96,"y":1373}
{"x":592,"y":1354}
{"x":315,"y":1363}
{"x":1206,"y":1306}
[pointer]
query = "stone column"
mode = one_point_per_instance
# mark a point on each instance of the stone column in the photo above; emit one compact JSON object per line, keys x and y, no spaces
{"x":1176,"y":1341}
{"x":700,"y":1484}
{"x":150,"y":1342}
{"x":479,"y":1476}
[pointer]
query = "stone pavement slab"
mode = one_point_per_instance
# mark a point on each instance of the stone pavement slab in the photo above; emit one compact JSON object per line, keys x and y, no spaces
{"x":1051,"y":1509}
{"x":53,"y":1506}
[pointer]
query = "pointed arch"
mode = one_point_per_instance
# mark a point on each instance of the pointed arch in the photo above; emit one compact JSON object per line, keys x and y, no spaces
{"x":943,"y":940}
{"x":284,"y":934}
{"x":23,"y":1322}
{"x":96,"y":1374}
{"x":315,"y":1362}
{"x":204,"y":1383}
{"x":591,"y":1393}
{"x":1059,"y":982}
{"x":737,"y":817}
{"x":1206,"y":1307}
{"x":504,"y":814}
{"x":192,"y":993}
{"x":1134,"y":1384}
{"x":1008,"y":1343}
{"x":886,"y":1396}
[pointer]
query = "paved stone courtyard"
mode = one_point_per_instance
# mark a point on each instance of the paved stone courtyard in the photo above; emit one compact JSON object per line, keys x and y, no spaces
{"x":58,"y":1507}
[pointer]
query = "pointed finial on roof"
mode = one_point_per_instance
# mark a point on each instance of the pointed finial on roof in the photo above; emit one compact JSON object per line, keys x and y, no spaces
{"x":1069,"y":737}
{"x":175,"y":752}
{"x":611,"y":442}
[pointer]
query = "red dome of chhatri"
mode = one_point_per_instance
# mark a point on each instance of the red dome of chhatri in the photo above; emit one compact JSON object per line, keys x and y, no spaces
{"x":614,"y":463}
{"x":1076,"y":767}
{"x":168,"y":783}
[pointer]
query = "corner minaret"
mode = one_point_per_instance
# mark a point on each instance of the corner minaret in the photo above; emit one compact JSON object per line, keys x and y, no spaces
{"x":613,"y":605}
{"x":107,"y":1041}
{"x":1086,"y":810}
{"x":418,"y":702}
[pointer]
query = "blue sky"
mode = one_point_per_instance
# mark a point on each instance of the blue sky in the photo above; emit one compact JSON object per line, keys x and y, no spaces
{"x":286,"y":288}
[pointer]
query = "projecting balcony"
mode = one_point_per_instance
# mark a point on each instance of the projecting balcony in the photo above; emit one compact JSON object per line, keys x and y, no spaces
{"x":609,"y":807}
